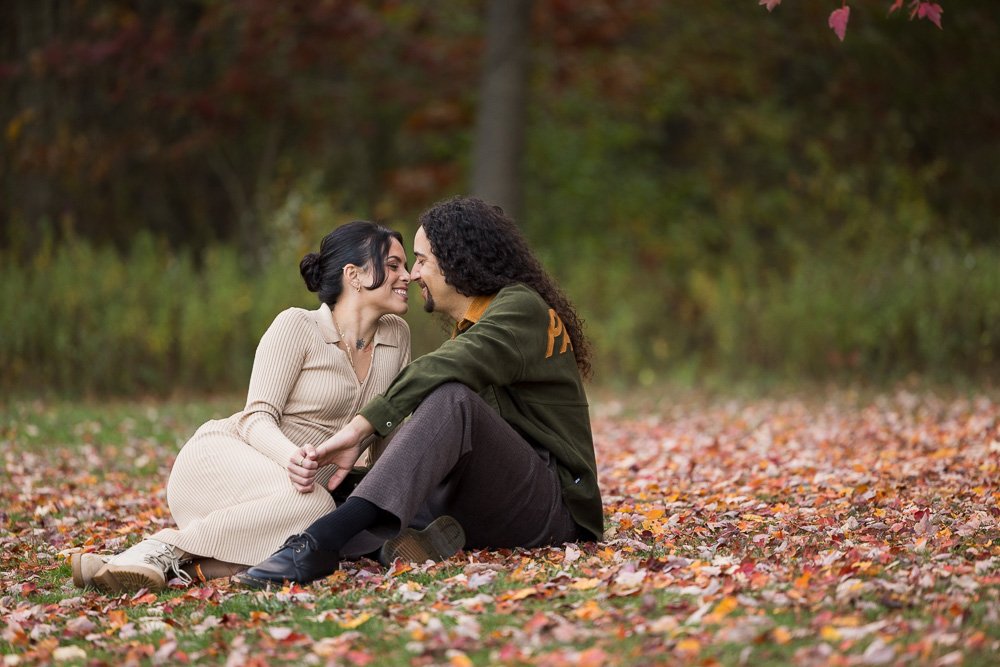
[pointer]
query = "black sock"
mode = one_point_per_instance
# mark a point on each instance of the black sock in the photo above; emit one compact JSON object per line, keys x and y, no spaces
{"x":333,"y":530}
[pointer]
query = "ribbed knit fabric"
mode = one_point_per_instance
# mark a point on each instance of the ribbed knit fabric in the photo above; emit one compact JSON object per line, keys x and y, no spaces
{"x":229,"y":491}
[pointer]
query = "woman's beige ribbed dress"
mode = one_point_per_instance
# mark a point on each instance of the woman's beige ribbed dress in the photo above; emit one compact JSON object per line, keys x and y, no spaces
{"x":229,"y":490}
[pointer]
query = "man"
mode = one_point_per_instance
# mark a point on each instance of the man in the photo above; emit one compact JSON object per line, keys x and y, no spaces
{"x":497,"y":449}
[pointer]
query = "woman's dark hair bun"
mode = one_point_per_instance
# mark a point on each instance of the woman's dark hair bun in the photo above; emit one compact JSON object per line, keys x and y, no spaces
{"x":361,"y":243}
{"x":312,"y":271}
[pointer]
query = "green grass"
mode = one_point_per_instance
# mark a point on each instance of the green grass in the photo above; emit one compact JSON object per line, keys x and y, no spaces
{"x":90,"y":476}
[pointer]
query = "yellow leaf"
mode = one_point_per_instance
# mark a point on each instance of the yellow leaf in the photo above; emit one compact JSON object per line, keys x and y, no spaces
{"x":520,"y":594}
{"x":725,"y":607}
{"x":945,"y":453}
{"x":847,"y":621}
{"x":829,"y":633}
{"x":585,"y":584}
{"x":355,"y":622}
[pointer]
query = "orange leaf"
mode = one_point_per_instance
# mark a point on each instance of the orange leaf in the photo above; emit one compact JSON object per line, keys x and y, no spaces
{"x":688,"y":645}
{"x":117,"y":618}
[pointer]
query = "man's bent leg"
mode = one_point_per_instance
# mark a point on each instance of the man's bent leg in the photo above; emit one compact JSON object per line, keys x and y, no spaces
{"x":457,"y":456}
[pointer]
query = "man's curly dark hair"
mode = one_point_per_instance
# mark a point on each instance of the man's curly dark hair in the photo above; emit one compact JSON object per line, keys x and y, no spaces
{"x":480,"y":251}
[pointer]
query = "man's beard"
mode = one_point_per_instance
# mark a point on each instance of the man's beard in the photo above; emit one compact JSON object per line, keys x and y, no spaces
{"x":428,"y":301}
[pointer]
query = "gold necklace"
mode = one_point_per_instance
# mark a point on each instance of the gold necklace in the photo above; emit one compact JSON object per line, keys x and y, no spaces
{"x":359,"y":343}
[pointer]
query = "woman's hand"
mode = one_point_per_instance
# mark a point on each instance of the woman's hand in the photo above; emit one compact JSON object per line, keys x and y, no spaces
{"x":302,"y":468}
{"x":343,"y":449}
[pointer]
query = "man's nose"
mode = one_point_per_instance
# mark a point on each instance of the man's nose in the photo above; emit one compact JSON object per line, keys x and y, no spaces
{"x":415,"y":274}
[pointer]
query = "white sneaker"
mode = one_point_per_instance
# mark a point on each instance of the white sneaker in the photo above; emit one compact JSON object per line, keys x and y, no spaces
{"x":85,"y":566}
{"x":147,"y":564}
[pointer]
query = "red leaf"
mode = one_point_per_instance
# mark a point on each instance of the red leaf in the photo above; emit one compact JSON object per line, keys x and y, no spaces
{"x":838,"y":21}
{"x":770,"y":4}
{"x":359,"y":657}
{"x":203,"y":593}
{"x":930,"y":11}
{"x":897,"y":5}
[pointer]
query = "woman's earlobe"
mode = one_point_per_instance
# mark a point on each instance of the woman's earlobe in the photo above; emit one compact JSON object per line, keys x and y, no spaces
{"x":351,"y":274}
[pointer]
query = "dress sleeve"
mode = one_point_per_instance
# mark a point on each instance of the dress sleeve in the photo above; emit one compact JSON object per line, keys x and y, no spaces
{"x":277,"y":364}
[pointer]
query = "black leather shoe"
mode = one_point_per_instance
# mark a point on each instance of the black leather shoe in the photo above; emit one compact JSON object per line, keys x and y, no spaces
{"x":299,"y":560}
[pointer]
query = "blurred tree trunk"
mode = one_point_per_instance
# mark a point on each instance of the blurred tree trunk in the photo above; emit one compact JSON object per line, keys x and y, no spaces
{"x":499,"y":134}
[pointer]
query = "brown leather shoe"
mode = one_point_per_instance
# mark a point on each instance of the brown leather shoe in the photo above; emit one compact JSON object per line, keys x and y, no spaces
{"x":440,"y":540}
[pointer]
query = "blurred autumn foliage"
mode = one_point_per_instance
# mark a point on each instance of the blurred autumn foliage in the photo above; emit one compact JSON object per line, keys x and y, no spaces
{"x":717,"y":187}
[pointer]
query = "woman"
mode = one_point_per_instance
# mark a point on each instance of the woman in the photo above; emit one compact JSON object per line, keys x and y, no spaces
{"x":229,"y":489}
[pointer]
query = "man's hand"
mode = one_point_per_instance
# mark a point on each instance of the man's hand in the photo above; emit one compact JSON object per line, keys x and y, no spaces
{"x":343,"y":449}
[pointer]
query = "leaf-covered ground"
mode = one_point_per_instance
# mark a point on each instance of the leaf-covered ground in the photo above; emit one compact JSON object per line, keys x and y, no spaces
{"x":815,"y":531}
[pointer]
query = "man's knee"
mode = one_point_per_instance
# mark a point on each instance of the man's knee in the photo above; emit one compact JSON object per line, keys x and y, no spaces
{"x":449,"y":393}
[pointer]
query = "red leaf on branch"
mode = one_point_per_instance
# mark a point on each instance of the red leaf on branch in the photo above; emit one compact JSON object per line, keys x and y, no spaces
{"x":838,"y":21}
{"x":770,"y":4}
{"x":896,"y":5}
{"x":930,"y":11}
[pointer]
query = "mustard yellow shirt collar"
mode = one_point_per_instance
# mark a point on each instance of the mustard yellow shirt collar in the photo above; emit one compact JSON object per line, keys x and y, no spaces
{"x":473,"y":313}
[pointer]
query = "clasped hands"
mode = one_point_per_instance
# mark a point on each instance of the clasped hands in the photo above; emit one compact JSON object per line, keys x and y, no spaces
{"x":342,"y":449}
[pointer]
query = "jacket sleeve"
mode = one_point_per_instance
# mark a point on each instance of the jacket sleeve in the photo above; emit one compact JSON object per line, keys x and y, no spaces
{"x":487,"y":354}
{"x":380,"y":442}
{"x":277,"y":364}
